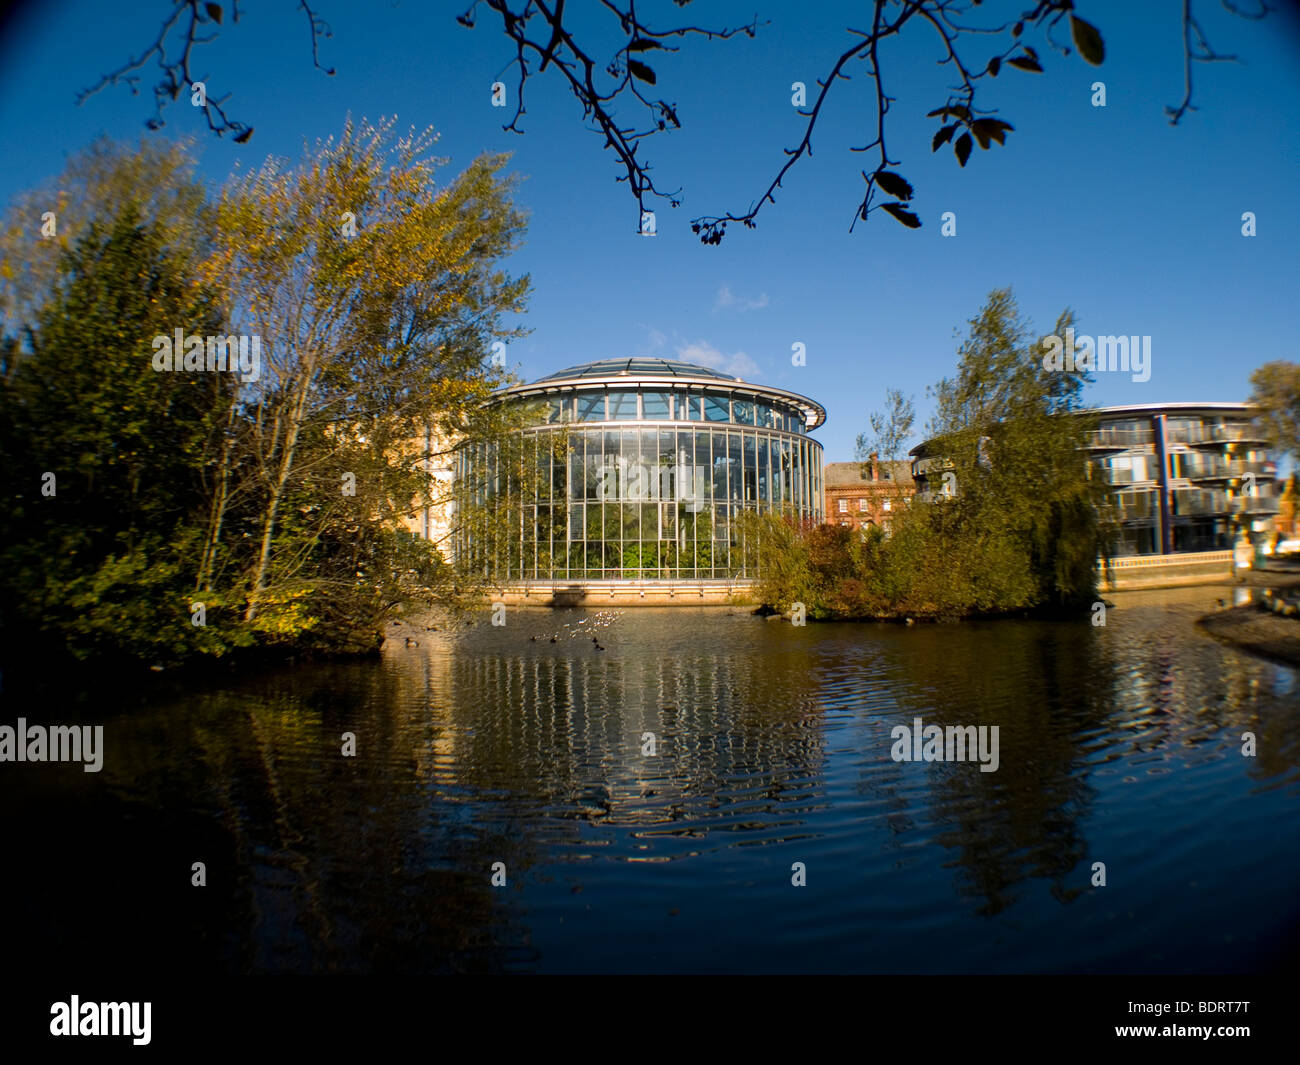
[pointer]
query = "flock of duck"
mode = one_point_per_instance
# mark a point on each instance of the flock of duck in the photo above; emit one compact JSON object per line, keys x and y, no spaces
{"x":593,"y":624}
{"x":583,"y":627}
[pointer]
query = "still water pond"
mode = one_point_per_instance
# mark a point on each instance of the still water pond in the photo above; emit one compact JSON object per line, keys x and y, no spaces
{"x":1119,"y":745}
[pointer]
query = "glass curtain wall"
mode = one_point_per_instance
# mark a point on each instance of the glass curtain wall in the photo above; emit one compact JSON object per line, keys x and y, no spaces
{"x":652,"y":493}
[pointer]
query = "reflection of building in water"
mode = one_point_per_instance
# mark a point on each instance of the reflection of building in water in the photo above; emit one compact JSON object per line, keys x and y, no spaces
{"x":644,"y":467}
{"x":572,"y":731}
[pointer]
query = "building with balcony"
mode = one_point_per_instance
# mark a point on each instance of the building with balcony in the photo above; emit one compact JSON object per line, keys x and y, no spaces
{"x":1184,"y":477}
{"x":638,"y":471}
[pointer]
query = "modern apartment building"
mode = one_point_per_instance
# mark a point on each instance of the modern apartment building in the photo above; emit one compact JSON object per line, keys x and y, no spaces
{"x":1184,"y":477}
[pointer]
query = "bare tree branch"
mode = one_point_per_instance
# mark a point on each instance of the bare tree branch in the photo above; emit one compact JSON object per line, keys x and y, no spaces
{"x":1197,"y":49}
{"x":543,"y":40}
{"x":625,"y":73}
{"x":189,"y":21}
{"x":319,"y":28}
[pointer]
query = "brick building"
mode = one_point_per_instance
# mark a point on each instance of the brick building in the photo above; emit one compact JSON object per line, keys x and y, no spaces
{"x":859,"y":494}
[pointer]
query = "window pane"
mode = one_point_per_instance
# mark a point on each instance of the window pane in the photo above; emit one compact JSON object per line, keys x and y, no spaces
{"x":591,"y":407}
{"x":622,"y":406}
{"x":733,"y":462}
{"x":649,"y":467}
{"x":627,"y":446}
{"x":667,"y":447}
{"x":742,"y":412}
{"x":656,"y":405}
{"x":718,"y":461}
{"x":715,"y":409}
{"x":592,"y":477}
{"x":751,"y":471}
{"x":800,"y":476}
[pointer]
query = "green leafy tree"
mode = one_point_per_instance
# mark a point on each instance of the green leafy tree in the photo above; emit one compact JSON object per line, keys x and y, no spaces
{"x":275,"y":506}
{"x":1275,"y":390}
{"x":375,"y":293}
{"x":42,"y":223}
{"x":1013,"y":432}
{"x":1023,"y":529}
{"x":890,"y":429}
{"x":105,"y":457}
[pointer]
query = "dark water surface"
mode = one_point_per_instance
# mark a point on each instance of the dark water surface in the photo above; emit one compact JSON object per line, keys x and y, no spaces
{"x":1119,"y":744}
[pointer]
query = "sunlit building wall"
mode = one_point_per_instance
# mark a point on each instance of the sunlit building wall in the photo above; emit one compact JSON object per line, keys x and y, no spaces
{"x":437,"y":457}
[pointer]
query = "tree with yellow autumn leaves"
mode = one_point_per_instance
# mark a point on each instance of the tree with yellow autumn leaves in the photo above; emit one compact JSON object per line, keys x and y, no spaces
{"x":373,"y":290}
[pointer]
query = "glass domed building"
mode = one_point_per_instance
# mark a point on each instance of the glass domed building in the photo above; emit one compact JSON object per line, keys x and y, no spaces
{"x":633,"y":472}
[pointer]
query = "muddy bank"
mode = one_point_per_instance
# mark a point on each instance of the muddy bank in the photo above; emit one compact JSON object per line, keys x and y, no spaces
{"x":1257,"y":632}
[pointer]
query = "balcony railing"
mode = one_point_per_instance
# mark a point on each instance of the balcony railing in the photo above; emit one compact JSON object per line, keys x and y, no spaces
{"x":1255,"y":505}
{"x":1212,"y":434}
{"x":1123,"y":477}
{"x":1119,"y":438}
{"x":1204,"y":471}
{"x":1140,"y":512}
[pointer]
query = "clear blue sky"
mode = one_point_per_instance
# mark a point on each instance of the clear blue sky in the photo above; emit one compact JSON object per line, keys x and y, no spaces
{"x":1110,"y":211}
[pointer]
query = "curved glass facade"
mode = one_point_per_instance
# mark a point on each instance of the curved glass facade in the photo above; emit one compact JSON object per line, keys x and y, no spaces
{"x":636,"y":469}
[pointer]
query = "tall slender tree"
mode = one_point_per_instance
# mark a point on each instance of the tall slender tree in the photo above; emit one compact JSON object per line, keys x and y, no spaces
{"x":374,"y":293}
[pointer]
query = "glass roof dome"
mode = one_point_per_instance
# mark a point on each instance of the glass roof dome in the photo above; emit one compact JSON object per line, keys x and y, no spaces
{"x":636,"y":367}
{"x":635,"y":374}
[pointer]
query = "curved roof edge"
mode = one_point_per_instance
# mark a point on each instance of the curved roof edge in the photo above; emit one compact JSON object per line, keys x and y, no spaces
{"x":635,"y":366}
{"x":643,"y":371}
{"x":1135,"y":409}
{"x":1224,"y":406}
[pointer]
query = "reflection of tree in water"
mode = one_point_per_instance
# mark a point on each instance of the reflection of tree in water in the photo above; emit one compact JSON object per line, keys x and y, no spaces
{"x":381,"y":862}
{"x":1070,"y":698}
{"x":1045,"y":694}
{"x":319,"y":862}
{"x":477,"y":751}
